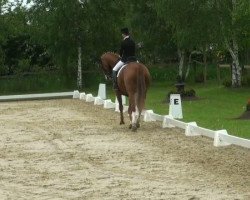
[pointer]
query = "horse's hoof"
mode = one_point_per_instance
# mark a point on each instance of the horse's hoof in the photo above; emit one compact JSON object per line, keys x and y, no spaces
{"x":130,"y":126}
{"x":134,"y":128}
{"x":138,"y":125}
{"x":122,"y":123}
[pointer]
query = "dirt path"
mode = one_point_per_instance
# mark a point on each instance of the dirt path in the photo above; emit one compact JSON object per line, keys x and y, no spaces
{"x":69,"y":149}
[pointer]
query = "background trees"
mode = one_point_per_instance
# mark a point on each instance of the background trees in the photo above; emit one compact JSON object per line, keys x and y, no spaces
{"x":234,"y":24}
{"x":70,"y":36}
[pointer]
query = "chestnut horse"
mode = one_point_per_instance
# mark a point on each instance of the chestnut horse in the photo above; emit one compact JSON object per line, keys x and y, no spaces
{"x":133,"y":81}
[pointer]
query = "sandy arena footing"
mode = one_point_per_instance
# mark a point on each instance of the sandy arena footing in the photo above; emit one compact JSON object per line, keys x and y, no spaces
{"x":70,"y":149}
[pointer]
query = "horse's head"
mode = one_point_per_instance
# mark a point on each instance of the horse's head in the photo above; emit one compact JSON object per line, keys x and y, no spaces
{"x":108,"y":61}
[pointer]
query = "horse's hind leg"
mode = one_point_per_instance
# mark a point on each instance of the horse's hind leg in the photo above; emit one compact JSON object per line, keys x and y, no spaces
{"x":138,"y":120}
{"x":119,"y":99}
{"x":132,"y":113}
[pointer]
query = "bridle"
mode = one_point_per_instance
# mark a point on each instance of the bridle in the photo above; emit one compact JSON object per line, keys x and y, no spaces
{"x":108,"y":75}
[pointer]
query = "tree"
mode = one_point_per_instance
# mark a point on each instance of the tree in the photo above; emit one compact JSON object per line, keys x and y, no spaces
{"x":13,"y":29}
{"x":75,"y":29}
{"x":152,"y":33}
{"x":189,"y":25}
{"x":234,"y":26}
{"x":61,"y":26}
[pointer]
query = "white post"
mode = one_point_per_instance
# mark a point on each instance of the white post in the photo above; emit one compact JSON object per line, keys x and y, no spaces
{"x":217,"y":140}
{"x":90,"y":98}
{"x":102,"y":91}
{"x":166,"y":122}
{"x":76,"y":94}
{"x":108,"y":104}
{"x":189,"y":129}
{"x":175,"y":108}
{"x":82,"y":96}
{"x":117,"y":103}
{"x":147,"y":116}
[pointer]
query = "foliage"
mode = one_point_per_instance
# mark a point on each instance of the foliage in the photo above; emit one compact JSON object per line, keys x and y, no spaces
{"x":227,"y":82}
{"x":47,"y":35}
{"x":184,"y":93}
{"x":246,"y":80}
{"x":248,"y":105}
{"x":153,"y":34}
{"x":163,"y":73}
{"x":35,"y":83}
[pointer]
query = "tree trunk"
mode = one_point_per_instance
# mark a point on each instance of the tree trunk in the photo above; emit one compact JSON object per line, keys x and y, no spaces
{"x":79,"y":71}
{"x":232,"y":46}
{"x":189,"y":65}
{"x":236,"y":69}
{"x":205,"y":64}
{"x":234,"y":51}
{"x":181,"y":54}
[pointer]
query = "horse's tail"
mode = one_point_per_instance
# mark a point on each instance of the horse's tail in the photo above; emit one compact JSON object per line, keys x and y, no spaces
{"x":141,"y":89}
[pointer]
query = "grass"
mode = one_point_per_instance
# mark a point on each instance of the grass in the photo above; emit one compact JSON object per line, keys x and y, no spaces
{"x":217,"y":108}
{"x":39,"y":83}
{"x":42,"y":83}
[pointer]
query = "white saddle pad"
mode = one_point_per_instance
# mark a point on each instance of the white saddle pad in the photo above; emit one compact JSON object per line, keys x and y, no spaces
{"x":122,"y":68}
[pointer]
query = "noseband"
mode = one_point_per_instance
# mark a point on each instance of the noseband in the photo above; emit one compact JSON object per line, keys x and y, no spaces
{"x":108,"y":75}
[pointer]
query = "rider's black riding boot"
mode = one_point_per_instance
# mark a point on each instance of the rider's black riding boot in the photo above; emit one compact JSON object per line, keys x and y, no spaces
{"x":114,"y":74}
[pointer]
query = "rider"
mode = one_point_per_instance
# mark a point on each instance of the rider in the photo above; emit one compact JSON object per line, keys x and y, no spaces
{"x":127,"y":54}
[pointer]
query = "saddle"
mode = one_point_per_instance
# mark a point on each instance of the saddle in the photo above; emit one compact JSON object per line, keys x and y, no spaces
{"x":125,"y":64}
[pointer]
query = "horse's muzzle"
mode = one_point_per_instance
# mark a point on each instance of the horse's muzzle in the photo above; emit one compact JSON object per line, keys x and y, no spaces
{"x":108,"y":77}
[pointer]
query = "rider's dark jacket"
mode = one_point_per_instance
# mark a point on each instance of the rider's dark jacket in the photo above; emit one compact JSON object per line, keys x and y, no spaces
{"x":127,"y":51}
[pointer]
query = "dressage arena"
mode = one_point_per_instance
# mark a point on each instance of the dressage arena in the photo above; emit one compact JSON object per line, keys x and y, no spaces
{"x":70,"y":149}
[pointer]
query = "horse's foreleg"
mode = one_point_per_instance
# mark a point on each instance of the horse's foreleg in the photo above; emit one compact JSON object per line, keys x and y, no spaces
{"x":119,"y":98}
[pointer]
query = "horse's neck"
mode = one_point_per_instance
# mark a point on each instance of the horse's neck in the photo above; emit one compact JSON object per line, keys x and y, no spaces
{"x":114,"y":61}
{"x":115,"y":55}
{"x":111,"y":59}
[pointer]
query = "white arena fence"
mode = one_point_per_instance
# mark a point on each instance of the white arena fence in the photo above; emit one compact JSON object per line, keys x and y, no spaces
{"x":36,"y":96}
{"x":220,"y":137}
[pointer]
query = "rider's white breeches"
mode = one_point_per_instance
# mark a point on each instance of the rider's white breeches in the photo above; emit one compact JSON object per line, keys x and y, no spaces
{"x":118,"y":66}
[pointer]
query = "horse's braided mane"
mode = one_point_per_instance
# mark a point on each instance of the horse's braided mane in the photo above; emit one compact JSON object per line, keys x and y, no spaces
{"x":113,"y":53}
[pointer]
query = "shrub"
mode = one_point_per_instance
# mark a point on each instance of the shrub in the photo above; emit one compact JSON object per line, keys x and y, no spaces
{"x":227,"y":83}
{"x":23,"y":65}
{"x":3,"y":70}
{"x":199,"y":78}
{"x":186,"y":93}
{"x":248,"y":105}
{"x":246,"y":81}
{"x":190,"y":93}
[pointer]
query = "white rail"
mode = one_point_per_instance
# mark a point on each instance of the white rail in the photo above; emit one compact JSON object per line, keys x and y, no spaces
{"x":221,"y":137}
{"x":36,"y":96}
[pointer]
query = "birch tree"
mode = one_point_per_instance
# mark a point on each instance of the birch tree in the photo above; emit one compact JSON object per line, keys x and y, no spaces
{"x":234,"y":21}
{"x":61,"y":26}
{"x":190,"y":25}
{"x":76,"y":31}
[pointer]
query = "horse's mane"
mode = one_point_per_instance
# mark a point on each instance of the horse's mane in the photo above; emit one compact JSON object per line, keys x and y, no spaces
{"x":112,"y":53}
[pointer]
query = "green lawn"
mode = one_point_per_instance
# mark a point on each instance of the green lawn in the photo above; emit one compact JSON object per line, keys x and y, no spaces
{"x":217,"y":108}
